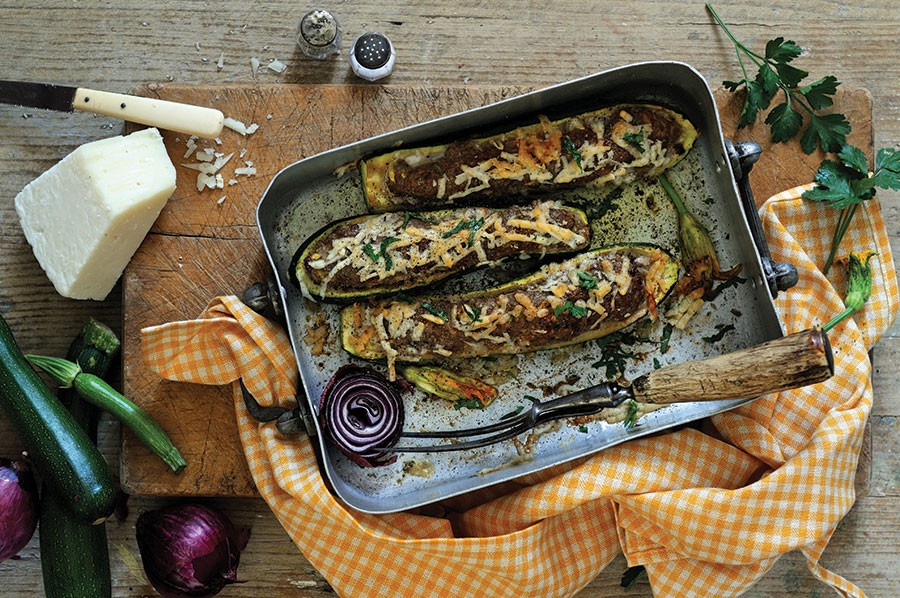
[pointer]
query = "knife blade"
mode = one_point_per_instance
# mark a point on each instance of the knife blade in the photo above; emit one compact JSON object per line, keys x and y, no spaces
{"x":183,"y":118}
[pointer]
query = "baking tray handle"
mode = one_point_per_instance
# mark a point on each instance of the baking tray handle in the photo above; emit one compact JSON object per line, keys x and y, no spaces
{"x":265,"y":299}
{"x":780,"y":276}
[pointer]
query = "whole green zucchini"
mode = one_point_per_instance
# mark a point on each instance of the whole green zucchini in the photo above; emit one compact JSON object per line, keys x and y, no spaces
{"x":75,"y":555}
{"x":585,"y":297}
{"x":613,"y":145}
{"x":57,"y":446}
{"x":376,"y":255}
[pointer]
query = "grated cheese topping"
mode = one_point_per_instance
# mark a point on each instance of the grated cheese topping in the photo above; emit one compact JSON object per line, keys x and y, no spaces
{"x":485,"y":324}
{"x":452,"y":237}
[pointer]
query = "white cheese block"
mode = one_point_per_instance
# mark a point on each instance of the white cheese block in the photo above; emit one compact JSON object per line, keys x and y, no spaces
{"x":86,"y":216}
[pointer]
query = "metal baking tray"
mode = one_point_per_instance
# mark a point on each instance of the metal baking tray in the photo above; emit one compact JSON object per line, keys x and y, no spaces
{"x":311,"y":193}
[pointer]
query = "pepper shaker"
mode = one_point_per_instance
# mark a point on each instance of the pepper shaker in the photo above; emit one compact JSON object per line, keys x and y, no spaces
{"x":372,"y":56}
{"x":319,"y":35}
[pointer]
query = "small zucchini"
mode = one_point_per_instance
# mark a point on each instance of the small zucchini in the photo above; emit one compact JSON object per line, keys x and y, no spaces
{"x":377,"y":255}
{"x":585,"y":297}
{"x":74,"y":555}
{"x":61,"y":451}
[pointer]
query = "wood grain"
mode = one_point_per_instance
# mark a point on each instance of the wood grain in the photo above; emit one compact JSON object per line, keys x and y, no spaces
{"x":116,"y":46}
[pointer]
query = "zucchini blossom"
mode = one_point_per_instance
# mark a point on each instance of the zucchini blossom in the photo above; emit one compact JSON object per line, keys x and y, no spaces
{"x":859,"y":285}
{"x":447,"y":385}
{"x":701,"y":262}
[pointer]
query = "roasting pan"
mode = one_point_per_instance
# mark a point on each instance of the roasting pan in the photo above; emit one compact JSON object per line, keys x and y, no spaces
{"x":313,"y":192}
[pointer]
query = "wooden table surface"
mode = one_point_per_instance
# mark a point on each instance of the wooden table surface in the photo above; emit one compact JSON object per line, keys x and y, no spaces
{"x":115,"y":46}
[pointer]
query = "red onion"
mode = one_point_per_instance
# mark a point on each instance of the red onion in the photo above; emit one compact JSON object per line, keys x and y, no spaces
{"x":360,"y":412}
{"x":18,"y":507}
{"x":189,"y":550}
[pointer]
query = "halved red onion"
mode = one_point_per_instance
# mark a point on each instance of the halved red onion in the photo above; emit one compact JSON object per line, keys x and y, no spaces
{"x":361,"y":411}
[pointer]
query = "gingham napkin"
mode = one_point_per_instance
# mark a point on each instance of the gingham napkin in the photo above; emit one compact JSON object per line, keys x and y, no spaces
{"x":706,"y":516}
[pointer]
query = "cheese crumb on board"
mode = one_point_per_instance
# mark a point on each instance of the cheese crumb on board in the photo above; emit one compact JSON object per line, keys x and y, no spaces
{"x":277,"y":66}
{"x":239,"y":127}
{"x":88,"y":214}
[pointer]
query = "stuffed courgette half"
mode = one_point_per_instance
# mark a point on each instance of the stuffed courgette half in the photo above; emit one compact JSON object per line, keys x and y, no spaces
{"x":582,"y":298}
{"x":614,"y":145}
{"x":375,"y":255}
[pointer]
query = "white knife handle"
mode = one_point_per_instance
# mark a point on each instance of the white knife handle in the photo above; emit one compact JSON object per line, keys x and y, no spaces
{"x":184,"y":118}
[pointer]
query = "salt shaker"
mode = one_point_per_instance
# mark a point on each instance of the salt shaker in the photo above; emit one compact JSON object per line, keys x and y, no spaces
{"x":319,"y":35}
{"x":372,"y":56}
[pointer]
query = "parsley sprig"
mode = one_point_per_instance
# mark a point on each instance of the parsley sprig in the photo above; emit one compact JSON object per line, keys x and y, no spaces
{"x":846,"y":184}
{"x":775,"y":74}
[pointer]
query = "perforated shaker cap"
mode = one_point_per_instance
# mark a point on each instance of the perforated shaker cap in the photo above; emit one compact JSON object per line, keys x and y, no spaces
{"x":372,"y":56}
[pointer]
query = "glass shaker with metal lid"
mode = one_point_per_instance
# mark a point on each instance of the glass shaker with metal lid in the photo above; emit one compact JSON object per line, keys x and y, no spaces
{"x":319,"y":35}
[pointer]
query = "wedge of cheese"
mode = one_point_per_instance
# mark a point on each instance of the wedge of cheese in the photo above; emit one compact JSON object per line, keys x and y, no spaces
{"x":86,"y":216}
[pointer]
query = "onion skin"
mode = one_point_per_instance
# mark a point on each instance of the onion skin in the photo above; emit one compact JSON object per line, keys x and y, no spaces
{"x":359,"y":411}
{"x":189,"y":550}
{"x":19,"y":507}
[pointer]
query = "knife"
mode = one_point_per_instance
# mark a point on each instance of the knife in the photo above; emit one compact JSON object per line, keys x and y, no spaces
{"x":184,"y":118}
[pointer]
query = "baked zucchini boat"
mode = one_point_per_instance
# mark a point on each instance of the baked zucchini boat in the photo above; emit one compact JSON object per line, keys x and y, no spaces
{"x":380,"y":254}
{"x":588,"y":296}
{"x":615,"y":145}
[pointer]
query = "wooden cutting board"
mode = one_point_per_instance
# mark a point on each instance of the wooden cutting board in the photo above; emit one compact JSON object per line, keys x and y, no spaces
{"x":200,"y":248}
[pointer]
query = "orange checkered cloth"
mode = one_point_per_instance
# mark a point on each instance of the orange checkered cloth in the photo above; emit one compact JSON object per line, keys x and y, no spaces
{"x":705,"y":516}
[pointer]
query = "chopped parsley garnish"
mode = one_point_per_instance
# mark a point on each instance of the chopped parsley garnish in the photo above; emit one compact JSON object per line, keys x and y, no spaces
{"x":631,"y":416}
{"x":570,"y":148}
{"x":370,"y":252}
{"x":664,"y":340}
{"x":434,"y":310}
{"x":587,"y":281}
{"x":583,"y":429}
{"x":418,"y":216}
{"x":473,"y":229}
{"x":513,"y":413}
{"x":388,"y":264}
{"x":709,"y":200}
{"x":568,"y":306}
{"x":656,"y":364}
{"x":474,"y":313}
{"x":468,"y":404}
{"x":606,"y":205}
{"x":381,"y":253}
{"x":721,"y":330}
{"x":613,"y":356}
{"x":635,"y":140}
{"x":712,"y":294}
{"x":472,"y":225}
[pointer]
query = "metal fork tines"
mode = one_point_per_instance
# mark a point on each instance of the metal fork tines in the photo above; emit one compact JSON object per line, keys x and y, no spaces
{"x":583,"y":402}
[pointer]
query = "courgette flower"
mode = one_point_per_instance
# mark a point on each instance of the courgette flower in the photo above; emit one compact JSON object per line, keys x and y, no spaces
{"x":448,"y":385}
{"x":859,"y":285}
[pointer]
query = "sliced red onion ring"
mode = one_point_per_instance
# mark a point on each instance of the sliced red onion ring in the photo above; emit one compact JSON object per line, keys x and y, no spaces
{"x":361,"y":411}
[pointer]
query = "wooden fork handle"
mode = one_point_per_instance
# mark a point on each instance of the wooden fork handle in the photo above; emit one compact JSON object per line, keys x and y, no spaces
{"x":789,"y":362}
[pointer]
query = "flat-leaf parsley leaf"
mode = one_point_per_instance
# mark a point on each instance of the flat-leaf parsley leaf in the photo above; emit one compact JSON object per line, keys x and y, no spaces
{"x":775,"y":74}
